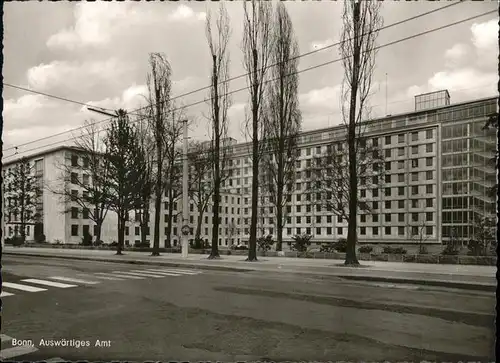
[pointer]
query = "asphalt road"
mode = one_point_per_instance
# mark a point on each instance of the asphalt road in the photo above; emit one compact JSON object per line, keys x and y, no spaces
{"x":194,"y":315}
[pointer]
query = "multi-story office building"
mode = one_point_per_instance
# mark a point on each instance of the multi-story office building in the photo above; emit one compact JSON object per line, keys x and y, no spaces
{"x":438,"y":176}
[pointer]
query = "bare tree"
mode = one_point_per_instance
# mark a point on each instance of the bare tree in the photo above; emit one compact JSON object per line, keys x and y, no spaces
{"x":201,"y":183}
{"x":172,"y":165}
{"x":22,"y":193}
{"x":125,"y":171}
{"x":417,"y":232}
{"x":284,"y":116}
{"x":329,"y":175}
{"x":146,"y":148}
{"x":257,"y":49}
{"x":159,"y":87}
{"x":88,"y":158}
{"x":220,"y":102}
{"x":361,"y":22}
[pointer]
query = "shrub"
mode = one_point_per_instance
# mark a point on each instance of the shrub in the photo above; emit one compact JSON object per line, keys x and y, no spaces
{"x":57,"y":241}
{"x":475,"y":248}
{"x":113,"y":244}
{"x":141,"y":244}
{"x":422,"y":250}
{"x":300,"y":242}
{"x":265,"y":243}
{"x":198,"y":244}
{"x":327,"y":247}
{"x":240,"y":247}
{"x":451,"y":249}
{"x":365,"y":249}
{"x":98,"y":243}
{"x":341,"y":245}
{"x":394,"y":250}
{"x":87,"y":239}
{"x":40,"y":238}
{"x":17,"y":241}
{"x":8,"y":241}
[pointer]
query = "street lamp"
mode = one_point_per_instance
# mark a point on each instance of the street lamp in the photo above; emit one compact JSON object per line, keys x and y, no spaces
{"x":102,"y":111}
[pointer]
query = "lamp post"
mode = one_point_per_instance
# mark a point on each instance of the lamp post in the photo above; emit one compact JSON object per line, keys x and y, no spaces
{"x":185,"y":198}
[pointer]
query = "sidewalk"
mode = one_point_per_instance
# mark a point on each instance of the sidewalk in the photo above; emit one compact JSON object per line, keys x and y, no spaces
{"x":459,"y":276}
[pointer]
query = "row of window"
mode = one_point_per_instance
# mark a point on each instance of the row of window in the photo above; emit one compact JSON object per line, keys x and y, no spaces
{"x":401,"y":230}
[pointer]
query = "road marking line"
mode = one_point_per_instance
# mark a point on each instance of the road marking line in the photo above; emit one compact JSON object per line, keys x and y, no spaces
{"x":49,"y":283}
{"x":16,"y":351}
{"x":178,"y":271}
{"x":11,"y":285}
{"x":78,"y":281}
{"x":163,"y":273}
{"x":125,"y":276}
{"x":5,"y":294}
{"x":106,"y":276}
{"x":144,"y":274}
{"x":4,"y":338}
{"x":54,"y":360}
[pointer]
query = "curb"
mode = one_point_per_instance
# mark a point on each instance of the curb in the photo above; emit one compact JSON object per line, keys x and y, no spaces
{"x":134,"y":262}
{"x":436,"y":283}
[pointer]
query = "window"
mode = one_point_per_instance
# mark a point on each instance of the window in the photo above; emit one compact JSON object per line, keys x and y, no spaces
{"x":375,"y":231}
{"x":428,"y":230}
{"x":414,"y":203}
{"x":388,"y":178}
{"x":414,"y":190}
{"x":363,"y":218}
{"x":308,"y":151}
{"x":414,"y":231}
{"x":401,"y":164}
{"x":74,"y":230}
{"x":401,"y":178}
{"x":387,"y":153}
{"x":137,"y":231}
{"x":401,"y":191}
{"x":339,"y":230}
{"x":401,"y":204}
{"x":429,"y":216}
{"x":401,"y":217}
{"x":414,"y":150}
{"x":375,"y":205}
{"x":74,"y":178}
{"x":428,"y":203}
{"x":414,"y":217}
{"x":308,"y":230}
{"x":288,"y":231}
{"x":375,"y":192}
{"x":298,"y":197}
{"x":375,"y":142}
{"x":375,"y":217}
{"x":74,"y":160}
{"x":388,"y":166}
{"x":387,"y":204}
{"x":318,"y":230}
{"x":414,"y":163}
{"x":414,"y":176}
{"x":388,"y":217}
{"x":428,"y":148}
{"x":388,"y":140}
{"x":401,"y":139}
{"x":85,"y":213}
{"x":428,"y":161}
{"x":298,"y":230}
{"x":401,"y":231}
{"x":339,"y":219}
{"x":318,"y":149}
{"x":429,"y":189}
{"x":299,"y":220}
{"x":329,"y":230}
{"x":428,"y":175}
{"x":387,"y":192}
{"x":86,"y":230}
{"x":414,"y":136}
{"x":298,"y":209}
{"x":74,"y":212}
{"x":387,"y":231}
{"x":328,"y":219}
{"x":428,"y":134}
{"x":401,"y":151}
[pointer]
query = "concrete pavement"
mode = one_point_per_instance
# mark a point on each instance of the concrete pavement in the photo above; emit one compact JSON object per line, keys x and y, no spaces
{"x":171,"y":314}
{"x":458,"y":276}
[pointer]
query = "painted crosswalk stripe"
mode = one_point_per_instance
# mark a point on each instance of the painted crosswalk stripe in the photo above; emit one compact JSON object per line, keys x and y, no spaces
{"x":127,"y":276}
{"x":5,"y":294}
{"x":184,"y":272}
{"x":143,"y":274}
{"x":11,"y":285}
{"x":16,"y":351}
{"x":106,"y":276}
{"x":165,"y":273}
{"x":77,"y":281}
{"x":48,"y":283}
{"x":180,"y":270}
{"x":4,"y":338}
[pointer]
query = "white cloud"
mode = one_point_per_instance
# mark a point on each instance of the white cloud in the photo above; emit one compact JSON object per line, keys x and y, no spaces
{"x":327,"y":97}
{"x":184,"y":12}
{"x":94,"y":25}
{"x":456,"y":52}
{"x":82,"y":75}
{"x":130,"y":99}
{"x":320,"y":44}
{"x":485,"y":35}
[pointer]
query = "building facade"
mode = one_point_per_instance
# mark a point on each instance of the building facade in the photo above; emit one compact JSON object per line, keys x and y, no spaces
{"x":438,"y":177}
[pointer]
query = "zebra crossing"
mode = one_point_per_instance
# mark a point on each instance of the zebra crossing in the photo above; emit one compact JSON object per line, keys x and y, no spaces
{"x":11,"y":348}
{"x":33,"y":285}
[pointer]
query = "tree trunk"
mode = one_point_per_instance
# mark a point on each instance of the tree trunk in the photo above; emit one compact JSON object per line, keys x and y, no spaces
{"x":199,"y":223}
{"x":144,"y":229}
{"x":279,"y":205}
{"x":158,"y":195}
{"x":214,"y":252}
{"x":351,"y":258}
{"x":98,"y":227}
{"x":168,"y":243}
{"x":121,"y":233}
{"x":252,"y":250}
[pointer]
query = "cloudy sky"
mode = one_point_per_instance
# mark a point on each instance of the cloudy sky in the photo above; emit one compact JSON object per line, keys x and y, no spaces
{"x":97,"y":53}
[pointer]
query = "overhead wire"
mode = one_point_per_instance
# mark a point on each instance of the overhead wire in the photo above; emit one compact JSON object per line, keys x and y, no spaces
{"x":208,"y":87}
{"x":273,"y":80}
